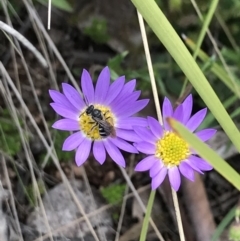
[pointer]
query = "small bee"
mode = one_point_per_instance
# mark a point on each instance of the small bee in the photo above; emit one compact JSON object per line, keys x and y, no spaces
{"x":105,"y":128}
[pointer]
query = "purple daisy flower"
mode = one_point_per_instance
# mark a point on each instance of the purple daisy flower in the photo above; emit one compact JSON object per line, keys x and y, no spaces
{"x":103,"y":118}
{"x":167,"y":152}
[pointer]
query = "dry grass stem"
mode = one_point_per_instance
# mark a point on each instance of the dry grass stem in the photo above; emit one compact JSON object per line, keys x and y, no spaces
{"x":157,"y":104}
{"x":6,"y":28}
{"x":150,"y":68}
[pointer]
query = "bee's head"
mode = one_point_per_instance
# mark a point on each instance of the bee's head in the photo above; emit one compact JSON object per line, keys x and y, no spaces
{"x":89,"y":110}
{"x":94,"y":112}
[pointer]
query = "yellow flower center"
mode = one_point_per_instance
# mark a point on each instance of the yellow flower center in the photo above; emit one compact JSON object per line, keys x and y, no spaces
{"x":172,"y":149}
{"x":90,"y":127}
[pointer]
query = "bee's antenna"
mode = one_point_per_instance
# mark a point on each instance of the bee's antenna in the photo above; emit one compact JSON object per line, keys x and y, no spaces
{"x":86,"y":100}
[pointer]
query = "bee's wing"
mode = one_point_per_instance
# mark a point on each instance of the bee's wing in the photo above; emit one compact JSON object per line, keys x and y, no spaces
{"x":107,"y":126}
{"x":104,"y":123}
{"x":110,"y":128}
{"x":99,"y":121}
{"x":113,"y":132}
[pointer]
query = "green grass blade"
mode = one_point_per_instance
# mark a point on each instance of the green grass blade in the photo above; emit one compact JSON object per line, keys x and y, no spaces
{"x":223,"y":225}
{"x":206,"y":23}
{"x":215,"y":68}
{"x":202,"y":34}
{"x":207,"y":153}
{"x":167,"y":35}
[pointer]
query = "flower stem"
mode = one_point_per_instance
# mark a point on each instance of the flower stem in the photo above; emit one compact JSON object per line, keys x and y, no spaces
{"x":147,"y":216}
{"x":178,"y":215}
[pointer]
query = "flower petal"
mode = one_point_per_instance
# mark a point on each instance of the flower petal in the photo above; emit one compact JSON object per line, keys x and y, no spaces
{"x":123,"y":145}
{"x":134,"y":108}
{"x":128,"y":135}
{"x":178,"y":114}
{"x":196,"y":120}
{"x":57,"y":96}
{"x":187,"y":108}
{"x":99,"y":151}
{"x":124,"y":105}
{"x":60,"y":98}
{"x":114,"y":89}
{"x":187,"y":171}
{"x":102,"y":85}
{"x":145,"y":164}
{"x":87,"y":87}
{"x":65,"y":112}
{"x":83,"y":151}
{"x":73,"y":96}
{"x":129,"y":122}
{"x":158,"y":179}
{"x":174,"y":178}
{"x":128,"y":87}
{"x":145,"y":147}
{"x":155,"y":127}
{"x":200,"y":163}
{"x":114,"y":153}
{"x":193,"y":166}
{"x":156,"y":168}
{"x":126,"y":91}
{"x":206,"y":134}
{"x":167,"y":112}
{"x":73,"y":141}
{"x":145,"y":134}
{"x":66,"y":125}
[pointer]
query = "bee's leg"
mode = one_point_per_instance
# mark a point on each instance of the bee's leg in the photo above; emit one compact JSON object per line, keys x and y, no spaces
{"x":81,"y":114}
{"x":109,"y":117}
{"x":106,"y":113}
{"x":106,"y":118}
{"x":93,"y":127}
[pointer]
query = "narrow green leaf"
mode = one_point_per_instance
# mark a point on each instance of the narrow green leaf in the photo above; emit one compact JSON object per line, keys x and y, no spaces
{"x":207,"y":153}
{"x":203,"y":32}
{"x":167,"y":35}
{"x":205,"y":26}
{"x":215,"y":68}
{"x":223,"y":225}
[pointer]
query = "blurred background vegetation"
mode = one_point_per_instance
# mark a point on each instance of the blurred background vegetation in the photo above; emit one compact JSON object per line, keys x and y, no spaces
{"x":92,"y":34}
{"x":107,"y":32}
